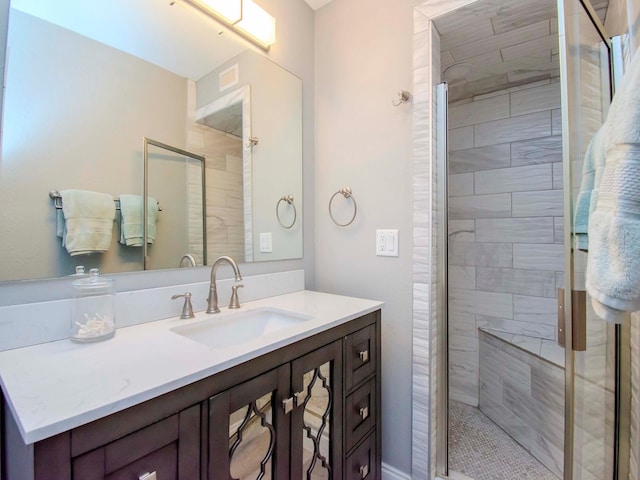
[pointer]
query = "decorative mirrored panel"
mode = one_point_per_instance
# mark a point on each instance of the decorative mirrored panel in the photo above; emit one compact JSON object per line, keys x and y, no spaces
{"x":317,"y":423}
{"x":87,"y":81}
{"x":252,"y":441}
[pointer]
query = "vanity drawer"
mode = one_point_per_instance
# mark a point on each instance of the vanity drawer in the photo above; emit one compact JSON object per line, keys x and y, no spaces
{"x":362,"y":464}
{"x":170,"y":448}
{"x":360,"y":353}
{"x":360,"y":413}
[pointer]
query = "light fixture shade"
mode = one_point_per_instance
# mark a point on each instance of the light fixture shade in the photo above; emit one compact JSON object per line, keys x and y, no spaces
{"x":228,"y":10}
{"x":257,"y":23}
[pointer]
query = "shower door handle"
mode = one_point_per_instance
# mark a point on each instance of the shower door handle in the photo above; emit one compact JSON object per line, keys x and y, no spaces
{"x":578,"y":319}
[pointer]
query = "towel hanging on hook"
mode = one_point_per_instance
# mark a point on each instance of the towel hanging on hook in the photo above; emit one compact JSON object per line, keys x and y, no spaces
{"x":403,"y":97}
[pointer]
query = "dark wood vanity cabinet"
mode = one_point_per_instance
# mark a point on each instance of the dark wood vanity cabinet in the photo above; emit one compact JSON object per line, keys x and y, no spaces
{"x":310,"y":410}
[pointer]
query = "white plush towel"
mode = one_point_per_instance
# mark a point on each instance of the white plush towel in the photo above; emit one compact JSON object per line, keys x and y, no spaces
{"x":131,"y":226}
{"x":591,"y":175}
{"x":88,"y":221}
{"x":613,"y":264}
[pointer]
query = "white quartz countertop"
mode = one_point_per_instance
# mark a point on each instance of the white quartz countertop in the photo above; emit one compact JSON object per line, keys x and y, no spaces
{"x":57,"y":386}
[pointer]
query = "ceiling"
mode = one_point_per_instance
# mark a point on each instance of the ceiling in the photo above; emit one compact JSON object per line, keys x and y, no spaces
{"x":491,"y":45}
{"x":317,"y":4}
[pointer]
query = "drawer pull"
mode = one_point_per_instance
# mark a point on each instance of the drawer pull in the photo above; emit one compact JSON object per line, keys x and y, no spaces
{"x":364,"y":413}
{"x":364,"y":356}
{"x":151,"y":476}
{"x":364,"y":471}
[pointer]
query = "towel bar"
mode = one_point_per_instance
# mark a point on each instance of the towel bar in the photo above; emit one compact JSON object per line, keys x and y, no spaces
{"x":57,"y":201}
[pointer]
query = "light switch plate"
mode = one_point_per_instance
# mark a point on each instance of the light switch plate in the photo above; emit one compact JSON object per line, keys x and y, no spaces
{"x":266,"y":245}
{"x":387,"y":243}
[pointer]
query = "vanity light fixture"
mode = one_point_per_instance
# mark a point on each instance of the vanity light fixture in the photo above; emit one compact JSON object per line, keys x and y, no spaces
{"x":243,"y":16}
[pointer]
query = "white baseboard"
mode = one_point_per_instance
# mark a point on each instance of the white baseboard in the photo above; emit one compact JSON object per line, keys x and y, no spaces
{"x":390,"y":473}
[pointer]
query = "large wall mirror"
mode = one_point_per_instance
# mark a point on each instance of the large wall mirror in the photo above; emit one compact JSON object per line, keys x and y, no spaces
{"x":86,"y":82}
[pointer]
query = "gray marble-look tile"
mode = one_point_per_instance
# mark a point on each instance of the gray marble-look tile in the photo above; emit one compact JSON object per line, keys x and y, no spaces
{"x":506,"y":419}
{"x":480,"y":206}
{"x":537,"y":417}
{"x":553,"y":352}
{"x":481,"y":158}
{"x":481,"y":254}
{"x":547,"y":385}
{"x":514,"y":179}
{"x":558,"y":176}
{"x":530,"y":344}
{"x":516,"y":13}
{"x":514,"y":372}
{"x":512,"y":129}
{"x":522,"y":282}
{"x":454,"y":34}
{"x":539,"y":47}
{"x":537,"y":150}
{"x":515,"y":230}
{"x":558,"y":230}
{"x":543,"y":203}
{"x":547,"y":332}
{"x":460,"y":138}
{"x":461,"y":184}
{"x":556,"y":121}
{"x":462,"y":277}
{"x":462,"y":230}
{"x":480,"y":111}
{"x":550,"y":455}
{"x":540,"y":310}
{"x":538,"y":256}
{"x":496,"y":42}
{"x":481,"y":303}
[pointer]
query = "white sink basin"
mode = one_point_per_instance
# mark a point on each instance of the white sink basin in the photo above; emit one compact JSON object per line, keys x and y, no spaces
{"x":224,"y":330}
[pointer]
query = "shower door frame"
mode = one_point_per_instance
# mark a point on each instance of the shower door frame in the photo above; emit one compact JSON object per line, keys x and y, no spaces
{"x":622,"y":383}
{"x":442,"y":396}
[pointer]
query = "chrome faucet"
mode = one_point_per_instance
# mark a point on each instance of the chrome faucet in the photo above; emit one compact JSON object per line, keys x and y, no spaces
{"x":191,"y":260}
{"x":213,"y":290}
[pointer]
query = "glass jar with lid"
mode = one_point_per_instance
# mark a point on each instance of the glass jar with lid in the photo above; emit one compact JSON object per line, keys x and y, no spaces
{"x":93,"y":314}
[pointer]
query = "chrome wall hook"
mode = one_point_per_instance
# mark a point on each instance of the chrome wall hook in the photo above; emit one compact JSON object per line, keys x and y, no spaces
{"x":403,"y":97}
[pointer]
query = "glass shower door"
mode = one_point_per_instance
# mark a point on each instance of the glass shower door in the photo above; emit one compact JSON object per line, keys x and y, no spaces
{"x":590,"y":342}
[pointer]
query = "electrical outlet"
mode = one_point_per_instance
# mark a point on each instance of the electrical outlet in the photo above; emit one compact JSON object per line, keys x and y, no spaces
{"x":266,"y":245}
{"x":387,"y":243}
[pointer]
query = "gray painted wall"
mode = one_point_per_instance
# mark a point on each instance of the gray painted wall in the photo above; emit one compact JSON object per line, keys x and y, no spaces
{"x":364,"y":55}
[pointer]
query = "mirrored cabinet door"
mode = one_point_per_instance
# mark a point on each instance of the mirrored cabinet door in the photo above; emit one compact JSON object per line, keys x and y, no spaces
{"x":248,"y":433}
{"x":316,"y":423}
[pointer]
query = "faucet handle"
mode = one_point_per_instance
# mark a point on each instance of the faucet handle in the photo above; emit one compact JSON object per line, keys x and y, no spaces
{"x":235,"y":303}
{"x":187,"y":309}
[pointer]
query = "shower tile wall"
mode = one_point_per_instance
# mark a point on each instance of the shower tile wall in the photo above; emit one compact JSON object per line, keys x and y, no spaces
{"x":505,"y":221}
{"x":223,"y":173}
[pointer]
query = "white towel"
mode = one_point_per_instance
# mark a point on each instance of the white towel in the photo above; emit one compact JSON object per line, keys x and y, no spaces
{"x":88,"y":221}
{"x":613,"y":264}
{"x":591,"y":176}
{"x":131,"y":226}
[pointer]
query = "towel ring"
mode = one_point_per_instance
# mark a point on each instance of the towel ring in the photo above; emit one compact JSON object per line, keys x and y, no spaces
{"x":288,"y":199}
{"x":346,"y":193}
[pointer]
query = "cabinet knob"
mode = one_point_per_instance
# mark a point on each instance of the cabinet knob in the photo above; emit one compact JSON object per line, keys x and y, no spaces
{"x":364,"y":471}
{"x":151,"y":476}
{"x":364,"y":412}
{"x":364,"y":356}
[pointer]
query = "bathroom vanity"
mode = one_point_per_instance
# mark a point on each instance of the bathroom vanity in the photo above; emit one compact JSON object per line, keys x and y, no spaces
{"x":295,"y":399}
